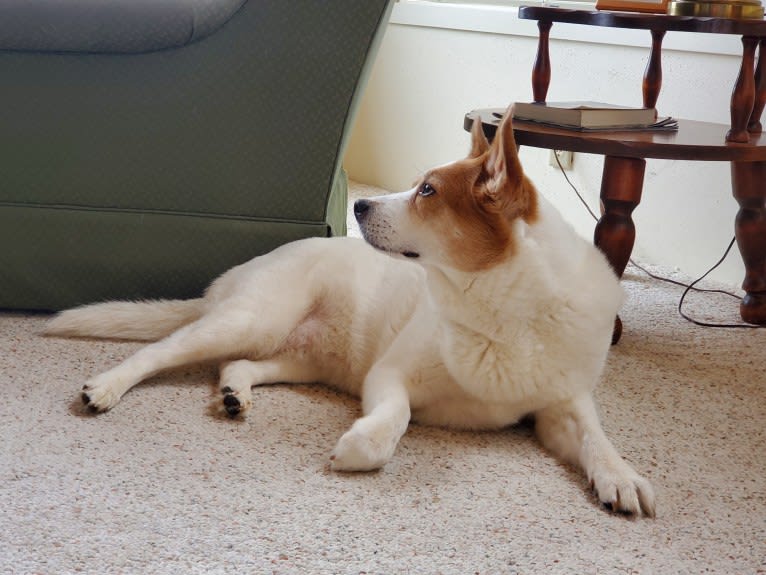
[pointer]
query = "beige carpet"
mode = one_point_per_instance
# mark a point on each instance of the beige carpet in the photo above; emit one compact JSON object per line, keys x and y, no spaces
{"x":161,"y":486}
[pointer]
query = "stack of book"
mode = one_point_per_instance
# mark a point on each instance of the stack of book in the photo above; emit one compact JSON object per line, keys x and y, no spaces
{"x":592,"y":116}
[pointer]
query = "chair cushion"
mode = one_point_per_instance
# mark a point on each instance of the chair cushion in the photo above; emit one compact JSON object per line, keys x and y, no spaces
{"x":112,"y":26}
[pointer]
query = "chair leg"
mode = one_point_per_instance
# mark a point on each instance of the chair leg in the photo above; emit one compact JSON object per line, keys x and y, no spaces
{"x":621,"y":185}
{"x":749,"y":187}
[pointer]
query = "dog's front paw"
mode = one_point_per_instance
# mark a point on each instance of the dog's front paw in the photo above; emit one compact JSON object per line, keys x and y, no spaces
{"x":366,"y":446}
{"x":623,"y":490}
{"x":99,"y":395}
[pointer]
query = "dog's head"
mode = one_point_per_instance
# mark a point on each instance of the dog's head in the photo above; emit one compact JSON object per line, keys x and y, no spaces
{"x":460,"y":215}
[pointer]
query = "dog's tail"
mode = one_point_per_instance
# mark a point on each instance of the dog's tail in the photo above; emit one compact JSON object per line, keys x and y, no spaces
{"x":140,"y":320}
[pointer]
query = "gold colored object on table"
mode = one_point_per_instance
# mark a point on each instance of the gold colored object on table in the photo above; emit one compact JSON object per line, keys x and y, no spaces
{"x":737,"y":9}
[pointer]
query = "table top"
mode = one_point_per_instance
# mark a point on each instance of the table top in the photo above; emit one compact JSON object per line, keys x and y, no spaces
{"x":693,"y":140}
{"x":641,"y":21}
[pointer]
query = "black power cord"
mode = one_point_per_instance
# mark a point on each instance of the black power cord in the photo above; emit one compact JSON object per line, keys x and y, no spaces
{"x":688,"y":287}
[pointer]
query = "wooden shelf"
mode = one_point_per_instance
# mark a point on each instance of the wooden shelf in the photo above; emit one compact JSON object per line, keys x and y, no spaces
{"x":693,"y":141}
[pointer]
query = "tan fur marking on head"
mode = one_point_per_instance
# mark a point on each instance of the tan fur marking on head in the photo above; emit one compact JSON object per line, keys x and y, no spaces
{"x":474,"y":238}
{"x":476,"y":201}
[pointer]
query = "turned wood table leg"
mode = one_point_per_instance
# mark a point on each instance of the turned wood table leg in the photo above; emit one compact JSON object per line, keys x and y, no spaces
{"x":621,"y":186}
{"x":743,"y":96}
{"x":652,"y":82}
{"x":749,"y":187}
{"x":754,"y":125}
{"x":541,"y":72}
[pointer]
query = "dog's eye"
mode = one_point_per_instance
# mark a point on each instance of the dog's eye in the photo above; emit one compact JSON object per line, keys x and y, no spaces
{"x":426,"y":190}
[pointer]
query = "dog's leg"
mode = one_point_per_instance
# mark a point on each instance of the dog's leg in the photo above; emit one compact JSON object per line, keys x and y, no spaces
{"x":238,"y":377}
{"x":571,"y":431}
{"x":240,"y":327}
{"x":211,"y":337}
{"x":371,"y":441}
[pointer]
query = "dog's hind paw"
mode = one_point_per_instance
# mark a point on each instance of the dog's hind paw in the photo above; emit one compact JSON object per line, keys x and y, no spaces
{"x":235,"y":403}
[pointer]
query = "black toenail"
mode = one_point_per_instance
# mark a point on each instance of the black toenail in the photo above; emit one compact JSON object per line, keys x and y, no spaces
{"x":230,"y":400}
{"x":227,"y":389}
{"x":85,"y":398}
{"x":232,"y":410}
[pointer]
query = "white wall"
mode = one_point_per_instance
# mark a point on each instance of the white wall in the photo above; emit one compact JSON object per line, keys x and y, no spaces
{"x":426,"y":78}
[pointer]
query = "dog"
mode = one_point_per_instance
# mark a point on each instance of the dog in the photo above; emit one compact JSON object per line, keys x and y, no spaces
{"x":472,"y":304}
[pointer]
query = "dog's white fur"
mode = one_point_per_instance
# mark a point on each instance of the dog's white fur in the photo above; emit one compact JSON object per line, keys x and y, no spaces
{"x":505,"y":313}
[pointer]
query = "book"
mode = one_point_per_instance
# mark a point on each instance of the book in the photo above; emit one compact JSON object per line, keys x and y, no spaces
{"x":667,"y":124}
{"x":585,"y":114}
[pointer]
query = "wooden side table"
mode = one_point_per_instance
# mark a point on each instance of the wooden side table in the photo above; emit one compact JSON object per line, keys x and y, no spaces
{"x":742,"y":143}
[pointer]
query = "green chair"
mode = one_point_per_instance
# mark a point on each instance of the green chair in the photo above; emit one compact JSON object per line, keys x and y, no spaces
{"x":148,"y":145}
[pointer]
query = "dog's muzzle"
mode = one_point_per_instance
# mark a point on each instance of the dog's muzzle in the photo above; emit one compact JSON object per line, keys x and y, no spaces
{"x":362,"y":212}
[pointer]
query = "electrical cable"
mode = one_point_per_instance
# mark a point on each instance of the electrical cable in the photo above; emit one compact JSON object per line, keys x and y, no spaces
{"x":688,"y":287}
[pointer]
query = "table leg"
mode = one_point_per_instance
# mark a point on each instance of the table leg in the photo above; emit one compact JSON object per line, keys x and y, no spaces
{"x":749,"y":186}
{"x":754,"y":125}
{"x":652,"y":82}
{"x":743,"y":96}
{"x":541,"y":72}
{"x":621,"y":185}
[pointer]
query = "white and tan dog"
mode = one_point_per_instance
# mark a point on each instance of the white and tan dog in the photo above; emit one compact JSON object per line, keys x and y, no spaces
{"x":491,"y":309}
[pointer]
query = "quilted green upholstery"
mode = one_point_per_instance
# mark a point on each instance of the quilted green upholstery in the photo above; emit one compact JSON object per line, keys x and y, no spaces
{"x":147,"y":175}
{"x":117,"y":26}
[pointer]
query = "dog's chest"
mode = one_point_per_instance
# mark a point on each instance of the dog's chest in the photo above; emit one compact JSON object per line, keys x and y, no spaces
{"x":518,"y":370}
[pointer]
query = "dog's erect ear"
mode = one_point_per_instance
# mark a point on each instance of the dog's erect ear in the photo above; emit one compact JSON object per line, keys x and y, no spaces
{"x":503,"y":165}
{"x":479,"y":142}
{"x":506,"y":187}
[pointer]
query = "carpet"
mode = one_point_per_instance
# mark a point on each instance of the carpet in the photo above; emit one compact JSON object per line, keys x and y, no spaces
{"x":160,"y":485}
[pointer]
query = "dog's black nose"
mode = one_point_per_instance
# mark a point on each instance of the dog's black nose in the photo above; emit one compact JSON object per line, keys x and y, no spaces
{"x":361,"y":207}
